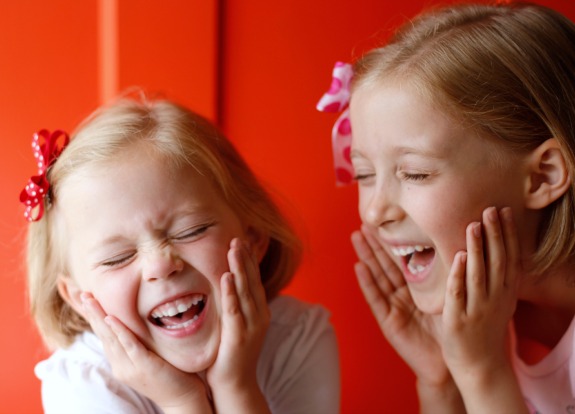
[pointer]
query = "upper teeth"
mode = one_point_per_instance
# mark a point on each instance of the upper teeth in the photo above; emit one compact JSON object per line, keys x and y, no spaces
{"x":177,"y":306}
{"x":407,"y":250}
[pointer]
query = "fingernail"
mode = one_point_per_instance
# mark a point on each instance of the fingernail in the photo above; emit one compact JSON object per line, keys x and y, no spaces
{"x":492,"y":214}
{"x":477,"y":230}
{"x":506,"y":213}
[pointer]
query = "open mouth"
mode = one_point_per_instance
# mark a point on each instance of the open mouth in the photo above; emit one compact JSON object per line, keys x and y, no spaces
{"x":416,"y":258}
{"x":179,"y":313}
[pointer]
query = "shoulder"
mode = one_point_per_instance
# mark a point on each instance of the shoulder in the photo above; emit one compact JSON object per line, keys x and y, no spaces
{"x":289,"y":311}
{"x":298,"y":369}
{"x":79,"y":379}
{"x":296,"y":322}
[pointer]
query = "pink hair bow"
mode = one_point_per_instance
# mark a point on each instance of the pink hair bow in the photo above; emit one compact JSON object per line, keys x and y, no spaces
{"x":337,"y":100}
{"x":32,"y":196}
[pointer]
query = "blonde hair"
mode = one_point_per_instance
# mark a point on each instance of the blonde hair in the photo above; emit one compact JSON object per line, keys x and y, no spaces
{"x":183,"y":138}
{"x":506,"y":70}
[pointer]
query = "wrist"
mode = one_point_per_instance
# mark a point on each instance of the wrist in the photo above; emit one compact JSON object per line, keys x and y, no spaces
{"x":491,"y":389}
{"x":244,"y":398}
{"x":194,"y":401}
{"x":443,"y":395}
{"x":190,"y":406}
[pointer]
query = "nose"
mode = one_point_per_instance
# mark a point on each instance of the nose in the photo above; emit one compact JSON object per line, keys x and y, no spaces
{"x":161,"y":262}
{"x":380,"y":206}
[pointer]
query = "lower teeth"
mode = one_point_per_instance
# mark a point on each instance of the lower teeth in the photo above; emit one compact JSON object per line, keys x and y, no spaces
{"x":415,"y":269}
{"x":182,"y":325}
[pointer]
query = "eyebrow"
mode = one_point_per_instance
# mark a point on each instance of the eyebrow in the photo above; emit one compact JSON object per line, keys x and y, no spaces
{"x":404,"y":150}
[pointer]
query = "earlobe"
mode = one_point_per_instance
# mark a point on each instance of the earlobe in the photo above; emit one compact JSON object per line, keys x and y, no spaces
{"x":71,"y":293}
{"x":548,"y":176}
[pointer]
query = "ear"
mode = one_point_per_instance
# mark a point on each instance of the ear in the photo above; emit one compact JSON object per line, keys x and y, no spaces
{"x":259,"y":242}
{"x":548,"y":176}
{"x":71,"y":293}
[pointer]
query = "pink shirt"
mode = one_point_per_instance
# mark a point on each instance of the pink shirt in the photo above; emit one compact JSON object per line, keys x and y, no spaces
{"x":549,"y":385}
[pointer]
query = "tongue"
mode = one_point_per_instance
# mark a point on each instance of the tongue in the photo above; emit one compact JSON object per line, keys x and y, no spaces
{"x":422,"y":258}
{"x":181,"y":317}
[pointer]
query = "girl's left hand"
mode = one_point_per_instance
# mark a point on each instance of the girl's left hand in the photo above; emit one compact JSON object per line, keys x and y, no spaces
{"x":480,"y":300}
{"x":245,"y":319}
{"x":133,"y":364}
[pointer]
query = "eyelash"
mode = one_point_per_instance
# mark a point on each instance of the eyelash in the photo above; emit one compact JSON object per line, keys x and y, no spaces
{"x":117,"y":262}
{"x":192,"y":234}
{"x":405,"y":176}
{"x":414,"y":177}
{"x":360,"y":177}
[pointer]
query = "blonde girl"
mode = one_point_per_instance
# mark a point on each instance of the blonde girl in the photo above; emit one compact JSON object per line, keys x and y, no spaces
{"x":156,"y":262}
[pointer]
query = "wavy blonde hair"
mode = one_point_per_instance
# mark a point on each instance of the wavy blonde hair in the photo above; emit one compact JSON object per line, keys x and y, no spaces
{"x":507,"y":71}
{"x":183,"y":138}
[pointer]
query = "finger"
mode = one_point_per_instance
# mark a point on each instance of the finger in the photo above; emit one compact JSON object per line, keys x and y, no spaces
{"x":374,"y":296}
{"x":232,"y":319}
{"x":246,"y":281}
{"x":475,"y":279}
{"x":95,"y":315}
{"x":455,"y":295}
{"x":97,"y":319}
{"x":133,"y":348}
{"x":512,"y":249}
{"x":495,"y":251}
{"x":390,"y":268}
{"x":382,"y":267}
{"x":253,"y":275}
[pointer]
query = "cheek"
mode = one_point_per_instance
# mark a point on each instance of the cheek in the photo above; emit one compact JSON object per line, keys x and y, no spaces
{"x":363,"y":203}
{"x":118,"y":296}
{"x":445,"y":226}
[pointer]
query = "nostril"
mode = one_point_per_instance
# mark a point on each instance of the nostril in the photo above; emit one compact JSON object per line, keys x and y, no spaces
{"x":162,"y":266}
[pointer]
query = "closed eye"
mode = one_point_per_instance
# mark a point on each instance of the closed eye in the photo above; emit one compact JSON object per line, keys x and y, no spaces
{"x":192,"y":233}
{"x":362,"y":177}
{"x":414,"y":177}
{"x":118,"y":260}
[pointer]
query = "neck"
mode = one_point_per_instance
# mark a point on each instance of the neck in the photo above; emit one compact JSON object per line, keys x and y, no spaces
{"x":554,"y":290}
{"x":546,"y":307}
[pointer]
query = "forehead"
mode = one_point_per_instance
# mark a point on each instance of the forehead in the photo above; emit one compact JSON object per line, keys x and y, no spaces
{"x":135,"y":187}
{"x":390,"y":113}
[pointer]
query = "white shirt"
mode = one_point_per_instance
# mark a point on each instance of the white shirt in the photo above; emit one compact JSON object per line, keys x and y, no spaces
{"x":298,"y":369}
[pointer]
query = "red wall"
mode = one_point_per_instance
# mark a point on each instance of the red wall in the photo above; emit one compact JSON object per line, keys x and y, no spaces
{"x":259,"y":67}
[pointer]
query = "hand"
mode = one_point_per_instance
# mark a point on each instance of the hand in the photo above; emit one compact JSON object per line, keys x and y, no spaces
{"x":245,"y":319}
{"x":480,"y":300}
{"x":133,"y":364}
{"x":413,"y":334}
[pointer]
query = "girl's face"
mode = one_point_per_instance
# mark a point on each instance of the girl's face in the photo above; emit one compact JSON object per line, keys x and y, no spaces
{"x":151,"y":245}
{"x":422,"y":179}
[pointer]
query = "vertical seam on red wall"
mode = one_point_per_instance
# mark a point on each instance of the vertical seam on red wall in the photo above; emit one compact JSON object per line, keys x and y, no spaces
{"x":220,"y":62}
{"x":108,"y":53}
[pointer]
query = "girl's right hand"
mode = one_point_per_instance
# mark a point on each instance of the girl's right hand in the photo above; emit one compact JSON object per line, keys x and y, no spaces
{"x":245,"y":320}
{"x":414,"y":335}
{"x":133,"y":364}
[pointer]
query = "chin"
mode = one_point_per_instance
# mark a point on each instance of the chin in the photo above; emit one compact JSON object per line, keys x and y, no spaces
{"x":428,"y":303}
{"x":192,"y":362}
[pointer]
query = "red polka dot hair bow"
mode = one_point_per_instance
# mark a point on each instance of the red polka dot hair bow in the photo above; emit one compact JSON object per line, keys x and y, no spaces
{"x":337,"y":100}
{"x":45,"y":153}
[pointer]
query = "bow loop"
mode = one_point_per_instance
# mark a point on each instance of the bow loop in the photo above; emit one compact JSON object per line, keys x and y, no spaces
{"x":336,"y":99}
{"x":45,"y":153}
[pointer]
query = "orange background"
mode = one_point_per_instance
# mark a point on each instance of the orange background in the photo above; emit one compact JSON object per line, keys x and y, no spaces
{"x":255,"y":67}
